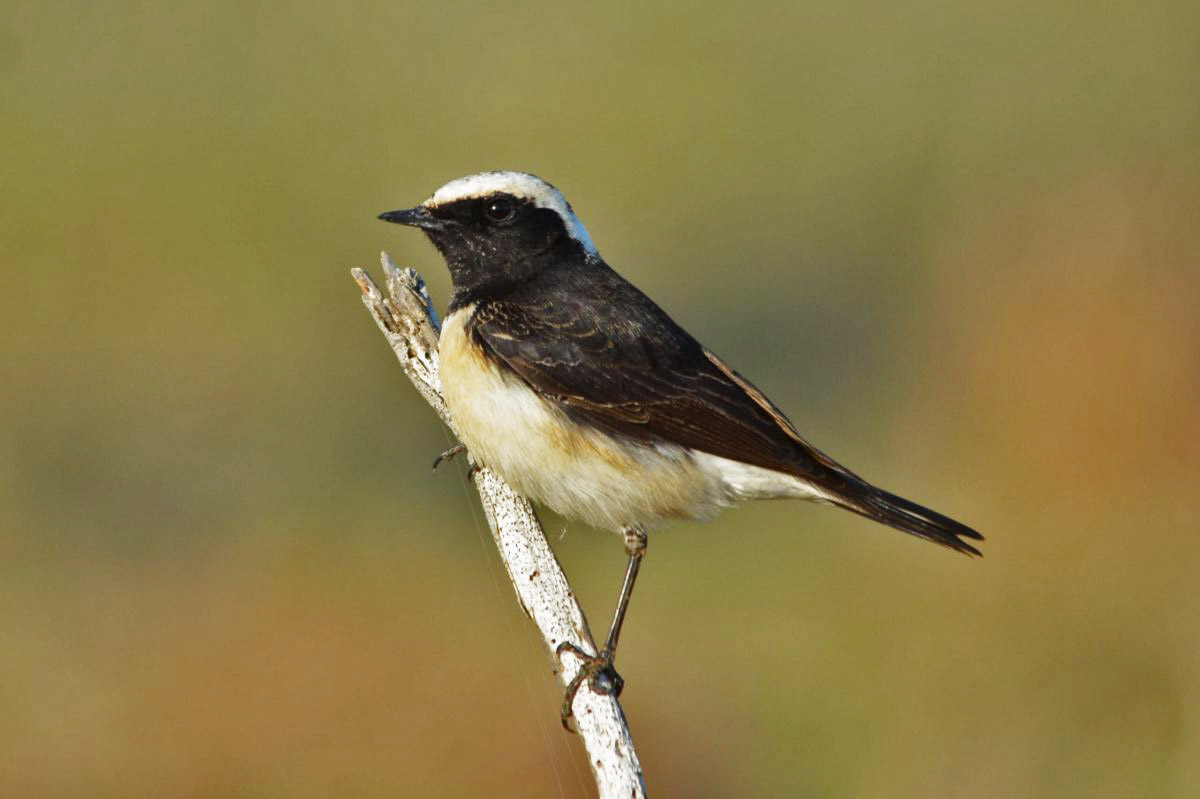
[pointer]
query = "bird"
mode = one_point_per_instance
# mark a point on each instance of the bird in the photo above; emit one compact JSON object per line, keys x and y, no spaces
{"x":585,"y":396}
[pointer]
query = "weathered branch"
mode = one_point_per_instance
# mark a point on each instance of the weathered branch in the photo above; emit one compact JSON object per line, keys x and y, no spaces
{"x":408,"y":321}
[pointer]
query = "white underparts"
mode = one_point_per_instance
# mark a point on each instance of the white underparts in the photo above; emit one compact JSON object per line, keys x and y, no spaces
{"x":747,"y":481}
{"x":581,"y":472}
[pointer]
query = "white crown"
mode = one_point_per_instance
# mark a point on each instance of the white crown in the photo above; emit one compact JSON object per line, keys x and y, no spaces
{"x":518,"y":184}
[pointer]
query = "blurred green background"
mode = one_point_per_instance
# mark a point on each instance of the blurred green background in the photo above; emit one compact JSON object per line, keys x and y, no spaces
{"x":958,"y":243}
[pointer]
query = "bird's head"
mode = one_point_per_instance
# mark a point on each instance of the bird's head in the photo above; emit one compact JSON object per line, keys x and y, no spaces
{"x":497,"y":228}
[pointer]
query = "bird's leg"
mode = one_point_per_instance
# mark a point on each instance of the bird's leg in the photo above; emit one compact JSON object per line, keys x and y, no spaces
{"x":448,"y":455}
{"x":598,"y":669}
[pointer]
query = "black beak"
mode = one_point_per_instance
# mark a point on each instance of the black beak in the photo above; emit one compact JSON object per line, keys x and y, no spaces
{"x":417,"y":217}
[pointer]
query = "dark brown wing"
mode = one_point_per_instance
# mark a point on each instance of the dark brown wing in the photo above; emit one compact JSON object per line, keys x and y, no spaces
{"x":640,"y":378}
{"x":614,"y":360}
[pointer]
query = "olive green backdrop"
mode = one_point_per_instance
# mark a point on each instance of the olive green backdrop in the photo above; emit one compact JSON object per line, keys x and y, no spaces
{"x":958,"y":243}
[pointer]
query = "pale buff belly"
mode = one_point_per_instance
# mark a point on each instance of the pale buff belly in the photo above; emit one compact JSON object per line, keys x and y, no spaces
{"x":579,"y":472}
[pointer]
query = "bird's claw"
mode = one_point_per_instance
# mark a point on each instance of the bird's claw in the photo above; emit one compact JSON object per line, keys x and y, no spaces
{"x":448,"y":455}
{"x":597,"y":670}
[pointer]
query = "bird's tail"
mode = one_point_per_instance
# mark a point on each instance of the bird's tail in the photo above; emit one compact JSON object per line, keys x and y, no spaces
{"x":894,"y":511}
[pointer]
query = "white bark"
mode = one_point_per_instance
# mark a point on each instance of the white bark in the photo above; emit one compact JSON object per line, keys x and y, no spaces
{"x":408,"y":321}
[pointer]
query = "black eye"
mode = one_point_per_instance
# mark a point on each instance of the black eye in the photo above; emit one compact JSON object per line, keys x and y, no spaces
{"x":499,"y":209}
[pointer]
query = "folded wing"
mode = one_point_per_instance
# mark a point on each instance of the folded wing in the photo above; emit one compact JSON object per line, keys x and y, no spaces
{"x":622,"y":365}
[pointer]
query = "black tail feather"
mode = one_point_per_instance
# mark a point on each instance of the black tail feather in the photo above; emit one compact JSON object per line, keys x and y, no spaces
{"x":900,"y":513}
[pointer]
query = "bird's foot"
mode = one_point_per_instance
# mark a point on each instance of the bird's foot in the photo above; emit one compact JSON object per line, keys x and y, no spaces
{"x":448,"y":455}
{"x":597,"y":670}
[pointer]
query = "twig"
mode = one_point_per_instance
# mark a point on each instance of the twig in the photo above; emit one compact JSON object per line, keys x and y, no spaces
{"x":408,"y":321}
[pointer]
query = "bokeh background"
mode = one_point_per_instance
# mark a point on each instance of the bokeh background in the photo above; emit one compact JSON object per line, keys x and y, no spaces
{"x":958,"y":243}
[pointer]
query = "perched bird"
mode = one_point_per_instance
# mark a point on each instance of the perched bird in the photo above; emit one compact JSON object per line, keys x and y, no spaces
{"x":584,"y":395}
